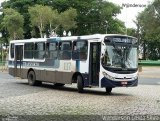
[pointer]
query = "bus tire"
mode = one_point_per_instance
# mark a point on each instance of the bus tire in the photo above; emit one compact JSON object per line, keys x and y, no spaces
{"x":32,"y":79}
{"x":59,"y":84}
{"x":80,"y":83}
{"x":108,"y":90}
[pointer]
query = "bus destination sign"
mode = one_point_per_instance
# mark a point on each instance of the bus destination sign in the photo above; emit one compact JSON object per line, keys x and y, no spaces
{"x":120,"y":40}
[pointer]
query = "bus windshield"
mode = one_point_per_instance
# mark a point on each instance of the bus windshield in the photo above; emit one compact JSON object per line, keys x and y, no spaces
{"x":120,"y":56}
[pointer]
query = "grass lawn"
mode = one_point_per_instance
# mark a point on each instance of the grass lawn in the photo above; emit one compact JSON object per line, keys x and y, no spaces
{"x":149,"y":63}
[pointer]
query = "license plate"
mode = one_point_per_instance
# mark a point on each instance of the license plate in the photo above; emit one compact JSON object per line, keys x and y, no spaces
{"x":124,"y":83}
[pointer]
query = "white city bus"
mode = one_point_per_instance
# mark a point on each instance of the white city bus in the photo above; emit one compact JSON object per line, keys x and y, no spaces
{"x":100,"y":60}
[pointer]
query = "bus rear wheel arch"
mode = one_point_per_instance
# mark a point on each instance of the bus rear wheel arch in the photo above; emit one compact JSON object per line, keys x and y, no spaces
{"x":32,"y":79}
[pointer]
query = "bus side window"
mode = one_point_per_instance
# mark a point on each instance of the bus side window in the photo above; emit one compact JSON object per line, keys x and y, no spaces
{"x":65,"y":50}
{"x":28,"y":50}
{"x":39,"y":50}
{"x":12,"y":51}
{"x":51,"y":50}
{"x":80,"y":49}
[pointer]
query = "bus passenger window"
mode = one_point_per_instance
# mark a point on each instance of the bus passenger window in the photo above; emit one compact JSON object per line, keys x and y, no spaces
{"x":80,"y":49}
{"x":39,"y":50}
{"x":12,"y":51}
{"x":51,"y":50}
{"x":28,"y":50}
{"x":65,"y":50}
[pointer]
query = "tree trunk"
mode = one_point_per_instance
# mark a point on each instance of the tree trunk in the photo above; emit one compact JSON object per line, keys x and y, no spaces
{"x":41,"y":33}
{"x":14,"y":36}
{"x":40,"y":30}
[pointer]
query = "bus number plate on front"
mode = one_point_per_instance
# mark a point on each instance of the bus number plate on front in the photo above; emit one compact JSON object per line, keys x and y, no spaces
{"x":124,"y":83}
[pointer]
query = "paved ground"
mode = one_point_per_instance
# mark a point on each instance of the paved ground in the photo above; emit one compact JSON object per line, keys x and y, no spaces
{"x":18,"y":98}
{"x":150,"y":72}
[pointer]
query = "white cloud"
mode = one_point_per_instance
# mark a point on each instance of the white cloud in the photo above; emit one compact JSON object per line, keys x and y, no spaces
{"x":1,"y":1}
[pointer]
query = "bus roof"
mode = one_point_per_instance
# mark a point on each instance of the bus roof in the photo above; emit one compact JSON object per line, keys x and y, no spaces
{"x":120,"y":35}
{"x":29,"y":40}
{"x":86,"y":37}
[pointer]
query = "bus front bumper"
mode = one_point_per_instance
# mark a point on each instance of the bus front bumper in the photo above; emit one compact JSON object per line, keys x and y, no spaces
{"x":109,"y":83}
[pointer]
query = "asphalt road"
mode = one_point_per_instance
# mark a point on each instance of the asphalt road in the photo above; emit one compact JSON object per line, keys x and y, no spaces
{"x":149,"y":81}
{"x":17,"y":98}
{"x":149,"y":76}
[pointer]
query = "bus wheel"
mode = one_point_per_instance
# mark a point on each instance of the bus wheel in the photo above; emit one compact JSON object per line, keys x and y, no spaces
{"x":80,"y":84}
{"x":59,"y":84}
{"x":108,"y":90}
{"x":32,"y":79}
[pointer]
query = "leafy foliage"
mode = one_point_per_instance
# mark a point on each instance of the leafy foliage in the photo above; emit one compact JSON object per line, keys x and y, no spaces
{"x":13,"y":22}
{"x":40,"y":16}
{"x":131,"y":32}
{"x":67,"y":19}
{"x":81,"y":17}
{"x":149,"y":30}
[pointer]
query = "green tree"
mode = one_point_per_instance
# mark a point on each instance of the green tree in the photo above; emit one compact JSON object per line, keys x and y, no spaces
{"x":41,"y":16}
{"x":53,"y":19}
{"x":22,"y":7}
{"x":149,"y":30}
{"x":13,"y":22}
{"x":93,"y":16}
{"x":67,"y":19}
{"x":38,"y":17}
{"x":131,"y":32}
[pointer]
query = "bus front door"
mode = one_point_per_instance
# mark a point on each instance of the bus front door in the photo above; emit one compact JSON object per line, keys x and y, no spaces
{"x":94,"y":67}
{"x":18,"y":60}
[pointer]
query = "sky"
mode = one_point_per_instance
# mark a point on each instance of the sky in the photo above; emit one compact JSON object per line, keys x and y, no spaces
{"x":128,"y":14}
{"x":1,"y":1}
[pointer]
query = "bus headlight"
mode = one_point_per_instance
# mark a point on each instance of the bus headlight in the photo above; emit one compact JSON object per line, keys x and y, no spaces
{"x":134,"y":78}
{"x":107,"y":76}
